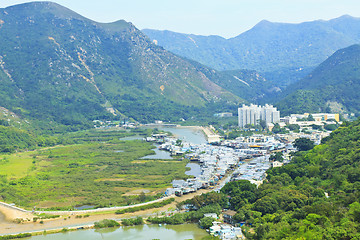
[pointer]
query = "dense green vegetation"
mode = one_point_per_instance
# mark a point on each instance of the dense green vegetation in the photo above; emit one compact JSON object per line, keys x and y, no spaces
{"x":316,"y":196}
{"x":132,"y":221}
{"x":303,"y":144}
{"x":95,"y":168}
{"x":336,"y":80}
{"x":63,"y":70}
{"x":106,"y":223}
{"x":21,"y":235}
{"x":206,"y":203}
{"x":13,"y":139}
{"x":192,"y":216}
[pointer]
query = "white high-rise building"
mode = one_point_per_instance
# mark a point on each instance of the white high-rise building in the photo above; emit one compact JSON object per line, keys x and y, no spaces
{"x":253,"y":114}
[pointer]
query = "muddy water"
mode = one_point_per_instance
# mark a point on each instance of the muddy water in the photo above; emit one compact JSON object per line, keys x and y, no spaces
{"x":173,"y":232}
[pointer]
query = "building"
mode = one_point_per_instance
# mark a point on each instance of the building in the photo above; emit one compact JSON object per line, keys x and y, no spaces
{"x":223,"y":115}
{"x":228,"y":216}
{"x":276,"y":164}
{"x":212,"y":215}
{"x":318,"y":116}
{"x":289,"y":120}
{"x":253,"y":114}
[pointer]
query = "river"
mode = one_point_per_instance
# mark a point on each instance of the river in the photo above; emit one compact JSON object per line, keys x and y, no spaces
{"x":189,"y":134}
{"x":173,"y":232}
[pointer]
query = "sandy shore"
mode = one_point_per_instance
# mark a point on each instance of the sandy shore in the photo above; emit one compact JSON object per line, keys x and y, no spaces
{"x":12,"y":214}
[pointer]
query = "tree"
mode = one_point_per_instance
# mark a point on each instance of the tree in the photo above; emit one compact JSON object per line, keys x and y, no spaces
{"x":276,"y":128}
{"x":278,"y":156}
{"x":262,"y":123}
{"x":303,"y":144}
{"x":206,"y":222}
{"x":266,"y":205}
{"x":316,"y":127}
{"x":330,"y":127}
{"x":293,"y":127}
{"x":178,"y":142}
{"x":310,"y":118}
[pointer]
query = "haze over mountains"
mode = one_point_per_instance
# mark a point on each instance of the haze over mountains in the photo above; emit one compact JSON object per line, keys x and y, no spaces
{"x":267,"y":46}
{"x":283,"y":52}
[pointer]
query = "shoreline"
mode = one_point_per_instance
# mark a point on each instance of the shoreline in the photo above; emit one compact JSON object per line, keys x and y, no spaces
{"x":207,"y":131}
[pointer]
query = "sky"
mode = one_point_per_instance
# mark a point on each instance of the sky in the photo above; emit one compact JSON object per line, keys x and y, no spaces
{"x":227,"y":18}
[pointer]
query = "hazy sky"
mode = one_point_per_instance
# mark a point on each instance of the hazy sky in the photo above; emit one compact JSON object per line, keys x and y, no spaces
{"x":227,"y":18}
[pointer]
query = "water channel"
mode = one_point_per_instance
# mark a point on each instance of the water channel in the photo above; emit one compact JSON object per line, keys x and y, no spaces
{"x":174,"y":232}
{"x":189,"y":134}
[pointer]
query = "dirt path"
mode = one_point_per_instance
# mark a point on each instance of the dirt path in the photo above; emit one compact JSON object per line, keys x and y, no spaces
{"x":67,"y":221}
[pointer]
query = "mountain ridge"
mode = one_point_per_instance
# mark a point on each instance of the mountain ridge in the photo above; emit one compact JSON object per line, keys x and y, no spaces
{"x":267,"y":47}
{"x":64,"y":67}
{"x":335,"y":81}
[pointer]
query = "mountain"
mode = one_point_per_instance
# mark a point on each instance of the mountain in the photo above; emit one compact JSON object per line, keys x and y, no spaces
{"x":333,"y":86}
{"x":56,"y":65}
{"x":283,"y":51}
{"x":249,"y":84}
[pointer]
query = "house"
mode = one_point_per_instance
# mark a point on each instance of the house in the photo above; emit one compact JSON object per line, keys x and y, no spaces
{"x":212,"y":215}
{"x":215,"y":230}
{"x":276,"y":164}
{"x":226,"y":232}
{"x":228,"y":216}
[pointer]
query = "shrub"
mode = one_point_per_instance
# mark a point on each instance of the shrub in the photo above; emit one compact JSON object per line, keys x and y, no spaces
{"x":106,"y":223}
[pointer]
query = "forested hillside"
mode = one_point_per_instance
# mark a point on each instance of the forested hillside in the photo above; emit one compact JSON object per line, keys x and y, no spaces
{"x":249,"y":84}
{"x":56,"y":65}
{"x":333,"y":86}
{"x":316,"y":196}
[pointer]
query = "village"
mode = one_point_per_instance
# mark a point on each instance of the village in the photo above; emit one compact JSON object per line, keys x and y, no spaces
{"x":244,"y":158}
{"x":247,"y":157}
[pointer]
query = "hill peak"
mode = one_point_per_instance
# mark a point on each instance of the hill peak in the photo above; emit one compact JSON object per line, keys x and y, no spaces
{"x":263,"y":23}
{"x":50,"y":9}
{"x":42,"y":7}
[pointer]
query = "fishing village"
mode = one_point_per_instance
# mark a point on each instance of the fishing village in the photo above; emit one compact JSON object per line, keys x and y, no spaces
{"x":221,"y":161}
{"x":244,"y":158}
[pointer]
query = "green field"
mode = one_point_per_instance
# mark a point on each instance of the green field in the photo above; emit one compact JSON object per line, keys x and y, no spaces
{"x":96,"y":169}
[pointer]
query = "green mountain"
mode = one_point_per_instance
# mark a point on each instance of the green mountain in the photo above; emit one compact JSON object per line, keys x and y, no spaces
{"x":333,"y":86}
{"x":285,"y":52}
{"x":248,"y":84}
{"x":56,"y":65}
